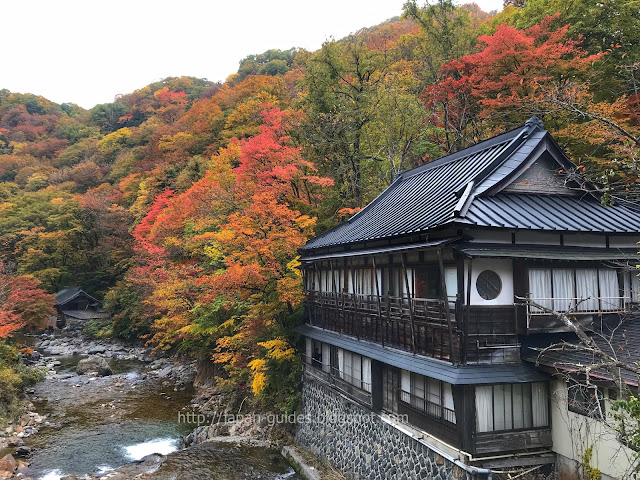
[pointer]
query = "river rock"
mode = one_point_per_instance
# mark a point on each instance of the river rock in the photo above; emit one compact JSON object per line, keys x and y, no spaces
{"x":8,"y":465}
{"x":94,"y":364}
{"x":15,"y":442}
{"x":97,"y":349}
{"x":165,"y":372}
{"x":24,"y":450}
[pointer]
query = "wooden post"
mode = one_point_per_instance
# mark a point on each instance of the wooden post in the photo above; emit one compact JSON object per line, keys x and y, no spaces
{"x":388,"y":306}
{"x":375,"y":274}
{"x":344,"y":270}
{"x":335,"y":290}
{"x":443,"y":284}
{"x":406,"y":282}
{"x":312,"y":291}
{"x":468,"y":306}
{"x":355,"y":297}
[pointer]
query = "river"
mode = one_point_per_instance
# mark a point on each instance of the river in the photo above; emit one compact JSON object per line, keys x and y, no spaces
{"x":103,"y":423}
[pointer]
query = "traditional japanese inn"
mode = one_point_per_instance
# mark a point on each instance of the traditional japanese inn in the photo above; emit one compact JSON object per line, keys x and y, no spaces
{"x":427,"y":310}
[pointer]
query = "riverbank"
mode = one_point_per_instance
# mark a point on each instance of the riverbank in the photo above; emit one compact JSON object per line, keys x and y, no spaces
{"x":89,"y":426}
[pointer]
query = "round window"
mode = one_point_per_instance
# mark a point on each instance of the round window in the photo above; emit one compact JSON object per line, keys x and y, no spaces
{"x":489,"y":284}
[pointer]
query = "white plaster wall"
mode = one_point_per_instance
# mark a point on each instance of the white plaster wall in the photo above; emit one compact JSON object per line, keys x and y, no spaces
{"x":573,"y":433}
{"x":504,"y":268}
{"x":585,"y":240}
{"x":537,"y":238}
{"x":489,"y":236}
{"x":624,"y":241}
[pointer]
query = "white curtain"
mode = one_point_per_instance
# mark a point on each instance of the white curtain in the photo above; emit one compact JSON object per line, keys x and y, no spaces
{"x":367,"y":285}
{"x":635,"y":287}
{"x":484,"y":409}
{"x":351,"y":288}
{"x":434,"y":391}
{"x":340,"y":362}
{"x":411,"y":278}
{"x":609,"y":289}
{"x":540,"y":287}
{"x":348,"y":369}
{"x":380,"y":283}
{"x":447,"y":401}
{"x":405,"y":381}
{"x":309,"y":350}
{"x":587,"y":289}
{"x":540,"y":404}
{"x":564,"y":289}
{"x":356,"y":370}
{"x":526,"y":404}
{"x":366,"y":373}
{"x":451,"y":283}
{"x":518,"y":405}
{"x":326,"y":357}
{"x":500,"y":419}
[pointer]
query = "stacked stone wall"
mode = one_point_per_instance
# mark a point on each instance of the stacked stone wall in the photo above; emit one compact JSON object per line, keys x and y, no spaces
{"x":364,"y":446}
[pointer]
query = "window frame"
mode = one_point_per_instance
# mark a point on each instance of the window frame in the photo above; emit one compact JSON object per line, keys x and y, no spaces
{"x":573,"y":269}
{"x":525,"y":408}
{"x":423,"y":404}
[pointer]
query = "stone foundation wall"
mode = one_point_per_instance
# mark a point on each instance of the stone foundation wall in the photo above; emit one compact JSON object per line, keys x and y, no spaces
{"x":362,"y":445}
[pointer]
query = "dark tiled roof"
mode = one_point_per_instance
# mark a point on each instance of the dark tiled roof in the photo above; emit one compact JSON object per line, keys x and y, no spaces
{"x":69,"y":293}
{"x":418,"y":199}
{"x":464,"y":189}
{"x":552,"y":212}
{"x":430,"y":367}
{"x":620,"y":340}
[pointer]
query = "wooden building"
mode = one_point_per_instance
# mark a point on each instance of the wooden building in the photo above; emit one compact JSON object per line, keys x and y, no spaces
{"x":74,"y":307}
{"x":414,"y":306}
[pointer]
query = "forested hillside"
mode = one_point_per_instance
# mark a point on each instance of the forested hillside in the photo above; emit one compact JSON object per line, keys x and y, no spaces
{"x":183,"y":203}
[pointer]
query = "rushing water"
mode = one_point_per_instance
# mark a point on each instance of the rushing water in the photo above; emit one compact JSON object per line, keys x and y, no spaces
{"x":104,"y":423}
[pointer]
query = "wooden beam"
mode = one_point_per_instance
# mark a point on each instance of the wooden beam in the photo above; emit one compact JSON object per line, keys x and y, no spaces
{"x":443,"y":285}
{"x":312,"y":291}
{"x":355,"y":295}
{"x":335,"y":288}
{"x":375,"y":275}
{"x":406,"y":282}
{"x":467,"y":307}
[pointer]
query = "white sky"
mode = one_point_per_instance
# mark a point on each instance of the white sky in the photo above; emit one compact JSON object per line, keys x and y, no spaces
{"x":86,"y":52}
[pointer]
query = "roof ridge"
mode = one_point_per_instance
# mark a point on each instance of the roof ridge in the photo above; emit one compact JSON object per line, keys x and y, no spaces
{"x":467,"y":151}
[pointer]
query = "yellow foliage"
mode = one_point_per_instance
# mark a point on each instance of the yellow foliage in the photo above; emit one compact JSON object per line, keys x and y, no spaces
{"x":259,"y":382}
{"x":113,"y":139}
{"x":6,"y":206}
{"x":258,"y":366}
{"x":57,"y":201}
{"x":294,"y":265}
{"x":278,"y":349}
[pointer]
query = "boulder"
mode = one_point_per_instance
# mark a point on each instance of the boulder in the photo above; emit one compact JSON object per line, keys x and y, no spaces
{"x":14,"y":442}
{"x":8,"y":465}
{"x":24,"y":450}
{"x":96,"y":349}
{"x":165,"y":372}
{"x":94,"y":364}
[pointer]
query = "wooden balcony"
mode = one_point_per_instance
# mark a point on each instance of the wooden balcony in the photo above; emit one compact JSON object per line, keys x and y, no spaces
{"x":420,"y":325}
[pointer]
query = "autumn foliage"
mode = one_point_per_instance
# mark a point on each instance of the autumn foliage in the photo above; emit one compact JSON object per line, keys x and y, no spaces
{"x":23,"y":304}
{"x":184,"y":203}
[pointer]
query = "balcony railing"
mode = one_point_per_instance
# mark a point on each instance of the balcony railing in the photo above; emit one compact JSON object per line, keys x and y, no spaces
{"x":432,"y":409}
{"x":576,"y":306}
{"x":333,"y":374}
{"x":421,"y":325}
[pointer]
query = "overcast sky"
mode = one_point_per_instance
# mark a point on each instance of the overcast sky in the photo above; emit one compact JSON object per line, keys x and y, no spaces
{"x":86,"y":51}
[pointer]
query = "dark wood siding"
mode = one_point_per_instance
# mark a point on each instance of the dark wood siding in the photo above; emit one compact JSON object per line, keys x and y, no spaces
{"x":515,"y":441}
{"x":492,"y":335}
